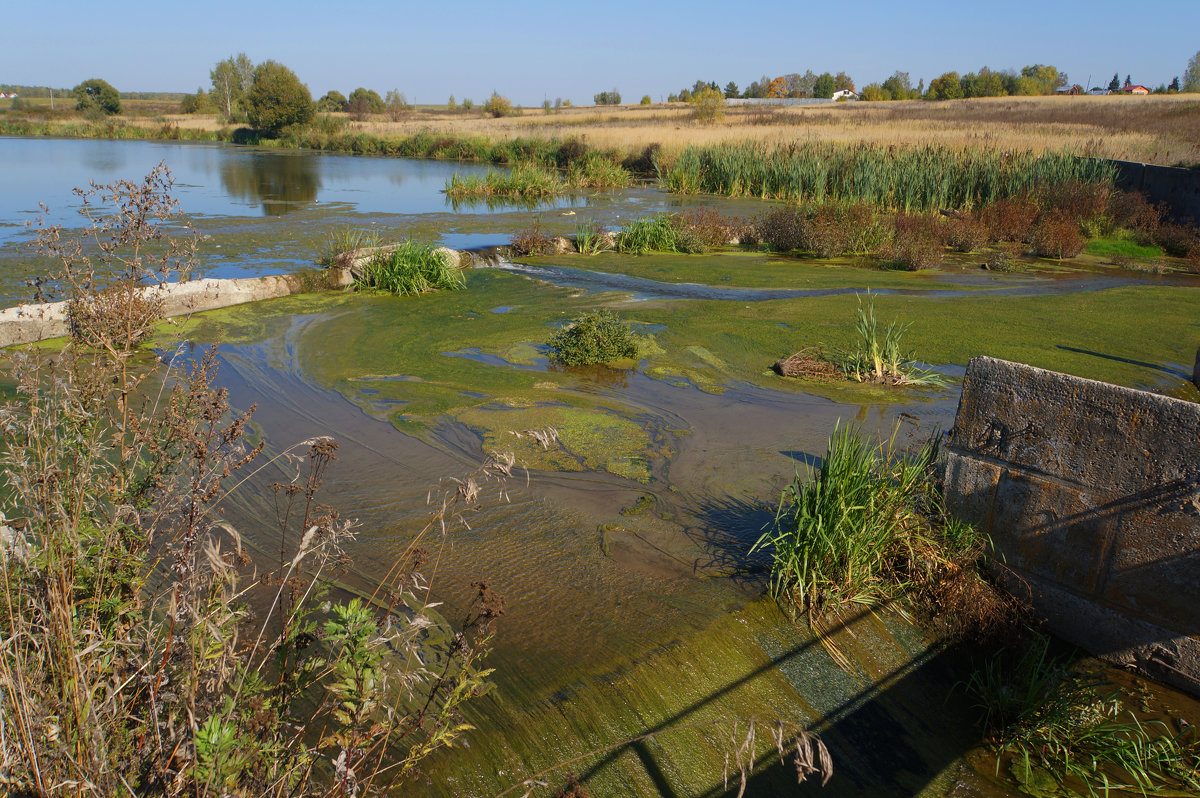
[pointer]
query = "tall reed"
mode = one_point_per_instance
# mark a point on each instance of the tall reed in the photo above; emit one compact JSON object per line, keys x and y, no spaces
{"x":909,"y":179}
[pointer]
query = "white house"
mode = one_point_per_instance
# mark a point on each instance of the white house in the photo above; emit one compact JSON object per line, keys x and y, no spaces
{"x":844,"y":94}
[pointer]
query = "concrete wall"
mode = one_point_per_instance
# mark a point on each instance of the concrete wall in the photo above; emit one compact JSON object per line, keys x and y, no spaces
{"x":1178,"y":188}
{"x":1091,"y":494}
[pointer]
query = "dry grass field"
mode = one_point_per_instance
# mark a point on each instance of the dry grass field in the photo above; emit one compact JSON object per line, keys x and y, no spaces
{"x":1163,"y":129}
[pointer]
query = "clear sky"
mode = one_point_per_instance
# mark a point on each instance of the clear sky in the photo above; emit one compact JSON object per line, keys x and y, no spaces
{"x":532,"y":50}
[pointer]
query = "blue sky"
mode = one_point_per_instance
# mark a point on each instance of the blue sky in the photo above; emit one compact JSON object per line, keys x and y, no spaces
{"x":532,"y":50}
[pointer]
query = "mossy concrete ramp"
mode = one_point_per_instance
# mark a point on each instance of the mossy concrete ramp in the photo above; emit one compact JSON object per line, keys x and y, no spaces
{"x":1091,"y":494}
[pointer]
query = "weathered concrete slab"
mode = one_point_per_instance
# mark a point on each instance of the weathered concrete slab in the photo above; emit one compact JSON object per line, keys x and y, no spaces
{"x":29,"y":323}
{"x":1091,"y":494}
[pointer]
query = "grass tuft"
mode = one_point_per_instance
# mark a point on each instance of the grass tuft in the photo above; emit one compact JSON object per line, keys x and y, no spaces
{"x":411,"y":269}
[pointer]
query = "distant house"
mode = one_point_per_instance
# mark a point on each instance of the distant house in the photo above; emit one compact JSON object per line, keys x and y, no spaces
{"x":1135,"y":90}
{"x":1098,"y":91}
{"x":844,"y":94}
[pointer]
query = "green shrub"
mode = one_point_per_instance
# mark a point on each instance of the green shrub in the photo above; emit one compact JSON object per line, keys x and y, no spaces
{"x":597,"y":337}
{"x":411,"y":269}
{"x":496,"y":105}
{"x":708,"y":106}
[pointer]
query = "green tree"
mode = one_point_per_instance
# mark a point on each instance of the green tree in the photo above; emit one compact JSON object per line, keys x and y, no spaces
{"x":1047,"y":78}
{"x":1174,"y":87}
{"x":277,"y":98}
{"x":451,"y":104}
{"x":365,"y":101}
{"x":824,"y":86}
{"x":198,"y":103}
{"x":898,"y":86}
{"x":332,"y":102}
{"x":1115,"y":83}
{"x":873,"y":92}
{"x":947,"y":86}
{"x":842,"y":81}
{"x":646,"y":100}
{"x":97,"y":94}
{"x":1191,"y":75}
{"x":731,"y":90}
{"x":610,"y":97}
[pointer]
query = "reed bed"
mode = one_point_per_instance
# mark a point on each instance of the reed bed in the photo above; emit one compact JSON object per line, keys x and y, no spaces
{"x":916,"y":179}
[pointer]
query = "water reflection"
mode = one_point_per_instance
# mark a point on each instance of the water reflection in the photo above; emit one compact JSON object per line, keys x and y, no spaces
{"x":281,"y":182}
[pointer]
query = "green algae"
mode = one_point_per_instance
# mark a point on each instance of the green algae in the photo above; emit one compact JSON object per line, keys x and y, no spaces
{"x":588,"y":439}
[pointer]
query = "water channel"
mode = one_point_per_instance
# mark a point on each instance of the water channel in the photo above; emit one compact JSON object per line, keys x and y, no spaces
{"x":624,"y":616}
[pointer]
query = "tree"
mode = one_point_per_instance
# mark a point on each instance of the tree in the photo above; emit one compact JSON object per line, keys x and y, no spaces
{"x":451,"y":104}
{"x":843,"y":82}
{"x":824,"y":87}
{"x":1191,"y":75}
{"x":646,"y":100}
{"x":198,"y":103}
{"x":332,"y":102}
{"x":97,"y":94}
{"x":364,"y":101}
{"x":226,"y":89}
{"x":277,"y":98}
{"x":1128,"y":82}
{"x":731,"y":90}
{"x":947,"y":86}
{"x":1047,"y":78}
{"x":873,"y":92}
{"x":777,"y":88}
{"x":397,"y":105}
{"x":610,"y":97}
{"x":708,"y":105}
{"x":1115,"y":83}
{"x":1174,"y":87}
{"x":898,"y":86}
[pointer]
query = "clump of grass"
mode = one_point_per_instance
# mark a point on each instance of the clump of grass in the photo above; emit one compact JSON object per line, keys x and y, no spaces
{"x":878,"y":356}
{"x":592,"y":239}
{"x":653,"y":234}
{"x":346,"y":239}
{"x":843,"y":535}
{"x":410,"y":269}
{"x":1043,"y":715}
{"x":597,"y":337}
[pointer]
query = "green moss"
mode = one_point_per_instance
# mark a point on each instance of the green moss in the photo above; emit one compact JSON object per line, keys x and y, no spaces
{"x":1108,"y":247}
{"x":747,"y":269}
